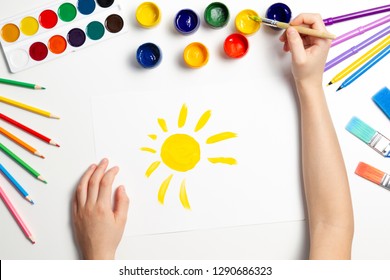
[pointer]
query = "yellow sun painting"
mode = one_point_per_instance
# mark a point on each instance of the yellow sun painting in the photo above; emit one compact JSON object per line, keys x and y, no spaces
{"x":182,"y":152}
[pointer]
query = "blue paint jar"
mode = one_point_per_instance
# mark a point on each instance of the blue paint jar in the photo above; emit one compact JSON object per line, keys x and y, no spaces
{"x":187,"y":21}
{"x":149,"y":55}
{"x":280,"y":12}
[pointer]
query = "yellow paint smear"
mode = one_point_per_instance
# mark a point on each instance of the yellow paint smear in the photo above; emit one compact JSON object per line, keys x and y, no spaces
{"x":203,"y":120}
{"x":183,"y":116}
{"x":224,"y":160}
{"x":153,"y":136}
{"x":220,"y":137}
{"x":180,"y":152}
{"x":163,"y":189}
{"x":150,"y":150}
{"x":152,"y":168}
{"x":163,"y":125}
{"x":183,"y":196}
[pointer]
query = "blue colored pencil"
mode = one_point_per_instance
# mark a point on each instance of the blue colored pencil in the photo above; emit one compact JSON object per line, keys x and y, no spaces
{"x":365,"y":67}
{"x":354,"y":50}
{"x":15,"y":184}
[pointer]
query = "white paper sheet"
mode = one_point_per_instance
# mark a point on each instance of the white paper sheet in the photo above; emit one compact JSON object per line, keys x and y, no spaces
{"x":263,"y":187}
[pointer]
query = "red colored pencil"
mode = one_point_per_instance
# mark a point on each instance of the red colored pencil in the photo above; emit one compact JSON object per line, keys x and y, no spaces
{"x":28,"y":130}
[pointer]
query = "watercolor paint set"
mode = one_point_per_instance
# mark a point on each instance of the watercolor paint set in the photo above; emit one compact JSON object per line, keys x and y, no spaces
{"x":57,"y":29}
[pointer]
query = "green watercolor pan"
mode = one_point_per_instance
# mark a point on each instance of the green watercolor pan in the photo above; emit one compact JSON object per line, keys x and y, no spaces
{"x":55,"y":30}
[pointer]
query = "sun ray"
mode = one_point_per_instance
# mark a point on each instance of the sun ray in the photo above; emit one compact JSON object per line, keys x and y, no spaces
{"x":224,"y":160}
{"x":163,"y":189}
{"x":183,"y":195}
{"x":163,"y":125}
{"x":149,"y":150}
{"x":153,"y":136}
{"x":152,"y":168}
{"x":220,"y":137}
{"x":203,"y":120}
{"x":183,"y":116}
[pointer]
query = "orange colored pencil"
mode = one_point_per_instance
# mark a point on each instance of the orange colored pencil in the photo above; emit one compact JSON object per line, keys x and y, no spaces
{"x":20,"y":142}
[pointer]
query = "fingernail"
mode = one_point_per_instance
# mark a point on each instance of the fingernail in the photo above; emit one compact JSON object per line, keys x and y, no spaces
{"x":105,"y":160}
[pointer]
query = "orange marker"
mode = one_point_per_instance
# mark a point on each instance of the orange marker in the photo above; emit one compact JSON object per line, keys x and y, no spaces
{"x":20,"y":142}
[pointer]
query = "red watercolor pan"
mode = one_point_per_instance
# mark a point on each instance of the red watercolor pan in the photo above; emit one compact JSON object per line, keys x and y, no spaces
{"x":58,"y":29}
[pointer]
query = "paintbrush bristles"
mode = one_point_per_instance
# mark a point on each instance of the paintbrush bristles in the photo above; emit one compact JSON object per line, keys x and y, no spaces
{"x":370,"y":173}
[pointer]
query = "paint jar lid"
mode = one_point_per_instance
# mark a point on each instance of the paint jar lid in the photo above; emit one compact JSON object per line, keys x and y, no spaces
{"x":236,"y":45}
{"x":148,"y":14}
{"x":245,"y":24}
{"x":187,"y":21}
{"x":216,"y":15}
{"x":149,"y":55}
{"x":196,"y":55}
{"x":280,"y":12}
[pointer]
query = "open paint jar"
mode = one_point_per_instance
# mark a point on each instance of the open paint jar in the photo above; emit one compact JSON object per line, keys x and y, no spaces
{"x":148,"y":15}
{"x":196,"y":55}
{"x":236,"y":45}
{"x":216,"y":15}
{"x":246,"y":25}
{"x":149,"y":55}
{"x":280,"y":12}
{"x":187,"y":21}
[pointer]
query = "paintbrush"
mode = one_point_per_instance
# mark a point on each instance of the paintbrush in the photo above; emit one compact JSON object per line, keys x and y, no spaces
{"x":374,"y":175}
{"x":370,"y":136}
{"x":300,"y":29}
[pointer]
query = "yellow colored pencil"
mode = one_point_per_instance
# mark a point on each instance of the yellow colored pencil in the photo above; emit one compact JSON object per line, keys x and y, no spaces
{"x":365,"y":57}
{"x":20,"y":142}
{"x":27,"y":107}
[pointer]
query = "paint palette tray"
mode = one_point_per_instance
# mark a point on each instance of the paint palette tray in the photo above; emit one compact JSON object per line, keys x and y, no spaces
{"x":57,"y":29}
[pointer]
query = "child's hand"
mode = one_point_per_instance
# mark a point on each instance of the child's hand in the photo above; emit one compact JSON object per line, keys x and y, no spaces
{"x":308,"y":53}
{"x":99,"y":227}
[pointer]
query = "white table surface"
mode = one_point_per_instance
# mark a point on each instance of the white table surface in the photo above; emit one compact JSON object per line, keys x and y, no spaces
{"x":49,"y":219}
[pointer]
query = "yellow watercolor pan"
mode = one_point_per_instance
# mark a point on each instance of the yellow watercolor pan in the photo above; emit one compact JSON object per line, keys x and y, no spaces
{"x":196,"y":55}
{"x":148,"y":14}
{"x":246,"y":25}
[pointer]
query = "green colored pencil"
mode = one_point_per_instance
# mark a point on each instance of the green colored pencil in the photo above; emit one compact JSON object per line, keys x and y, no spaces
{"x":20,"y":84}
{"x":23,"y":164}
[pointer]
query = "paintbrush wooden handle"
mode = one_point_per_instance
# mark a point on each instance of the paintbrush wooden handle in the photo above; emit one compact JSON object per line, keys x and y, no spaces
{"x":307,"y":31}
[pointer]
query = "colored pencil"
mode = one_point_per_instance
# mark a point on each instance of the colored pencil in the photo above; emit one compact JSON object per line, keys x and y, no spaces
{"x":28,"y":130}
{"x":22,"y":163}
{"x":356,"y":75}
{"x":15,"y":184}
{"x":16,"y":216}
{"x":364,"y":13}
{"x":27,"y":107}
{"x":365,"y":57}
{"x":354,"y":50}
{"x":373,"y":174}
{"x":377,"y":141}
{"x":20,"y":142}
{"x":20,"y":84}
{"x":382,"y":100}
{"x":300,"y":29}
{"x":360,"y":30}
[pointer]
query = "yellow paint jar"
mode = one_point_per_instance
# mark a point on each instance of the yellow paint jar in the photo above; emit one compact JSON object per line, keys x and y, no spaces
{"x":148,"y":14}
{"x":196,"y":55}
{"x":246,"y":25}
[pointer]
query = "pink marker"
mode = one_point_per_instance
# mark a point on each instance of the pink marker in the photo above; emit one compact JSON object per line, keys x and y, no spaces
{"x":360,"y":30}
{"x":16,"y":216}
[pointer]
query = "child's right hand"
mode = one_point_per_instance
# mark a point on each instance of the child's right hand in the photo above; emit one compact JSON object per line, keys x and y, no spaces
{"x":308,"y":53}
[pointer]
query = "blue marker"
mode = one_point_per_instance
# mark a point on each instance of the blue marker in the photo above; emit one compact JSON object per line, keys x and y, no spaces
{"x":365,"y":67}
{"x":15,"y":184}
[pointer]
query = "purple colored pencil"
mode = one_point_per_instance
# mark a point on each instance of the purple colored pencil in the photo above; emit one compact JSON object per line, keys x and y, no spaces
{"x":360,"y":30}
{"x":364,"y":13}
{"x":357,"y":48}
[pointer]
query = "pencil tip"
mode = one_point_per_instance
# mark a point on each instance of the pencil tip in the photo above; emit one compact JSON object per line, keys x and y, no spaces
{"x":330,"y":83}
{"x":32,"y":239}
{"x":57,"y":145}
{"x":54,"y":117}
{"x":43,"y":88}
{"x":339,"y":88}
